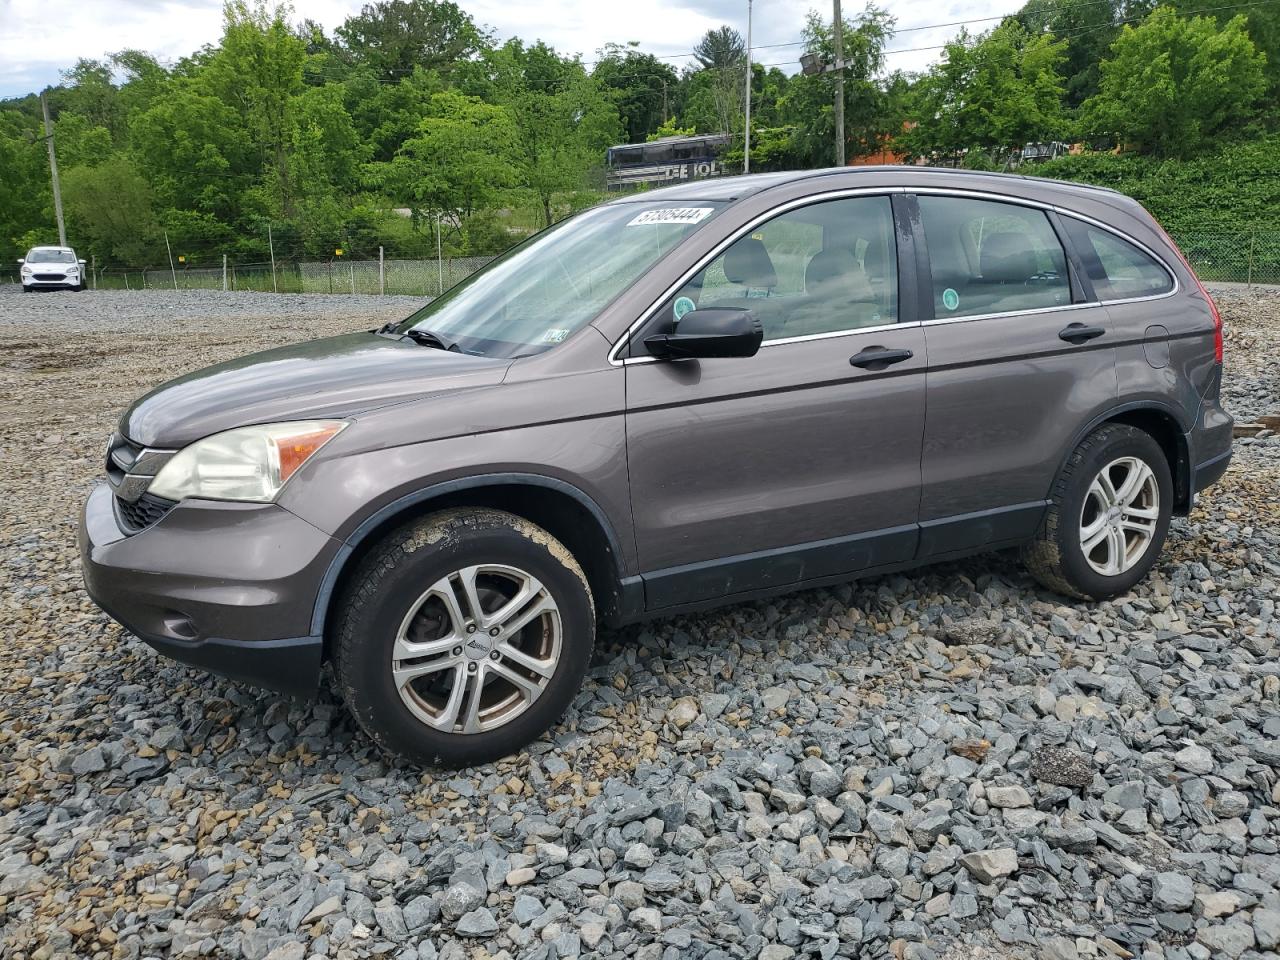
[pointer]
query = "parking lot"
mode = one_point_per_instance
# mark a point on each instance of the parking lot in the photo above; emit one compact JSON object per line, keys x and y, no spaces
{"x":952,"y":762}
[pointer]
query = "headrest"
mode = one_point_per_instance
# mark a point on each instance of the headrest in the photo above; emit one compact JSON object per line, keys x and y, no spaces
{"x":1006,"y":258}
{"x":829,"y":265}
{"x":747,"y":262}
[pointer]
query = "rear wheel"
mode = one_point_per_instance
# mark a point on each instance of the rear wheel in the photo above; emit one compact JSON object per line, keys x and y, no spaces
{"x":1107,"y":518}
{"x":463,"y":637}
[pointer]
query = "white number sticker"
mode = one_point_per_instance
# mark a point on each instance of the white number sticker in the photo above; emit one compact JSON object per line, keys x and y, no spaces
{"x":670,"y":215}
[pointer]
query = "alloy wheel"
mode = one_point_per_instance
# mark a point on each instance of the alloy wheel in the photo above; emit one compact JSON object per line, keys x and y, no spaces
{"x":477,"y":648}
{"x":1119,"y":517}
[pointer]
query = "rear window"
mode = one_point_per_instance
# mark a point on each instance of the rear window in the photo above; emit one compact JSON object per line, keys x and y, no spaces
{"x":1118,"y":269}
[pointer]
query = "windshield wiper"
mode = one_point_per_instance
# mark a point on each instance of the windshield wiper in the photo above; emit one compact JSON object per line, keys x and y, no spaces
{"x":428,"y":339}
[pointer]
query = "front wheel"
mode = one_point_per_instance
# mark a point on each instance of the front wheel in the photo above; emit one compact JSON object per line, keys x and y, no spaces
{"x":1107,"y":518}
{"x":463,"y":637}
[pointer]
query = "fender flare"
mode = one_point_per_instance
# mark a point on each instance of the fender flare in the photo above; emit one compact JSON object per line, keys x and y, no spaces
{"x":1157,"y":406}
{"x":329,"y":582}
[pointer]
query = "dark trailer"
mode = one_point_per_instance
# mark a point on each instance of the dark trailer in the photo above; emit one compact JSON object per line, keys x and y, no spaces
{"x":668,"y":160}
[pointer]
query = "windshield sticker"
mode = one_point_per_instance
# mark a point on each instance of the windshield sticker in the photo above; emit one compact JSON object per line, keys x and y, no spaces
{"x":555,"y":335}
{"x":682,"y":306}
{"x":670,"y":215}
{"x":950,"y":299}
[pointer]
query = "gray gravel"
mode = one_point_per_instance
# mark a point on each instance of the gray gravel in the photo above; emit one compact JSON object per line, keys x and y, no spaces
{"x":947,"y":764}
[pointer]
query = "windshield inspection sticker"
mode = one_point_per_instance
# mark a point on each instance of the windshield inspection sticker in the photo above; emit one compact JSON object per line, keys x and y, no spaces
{"x":555,"y":335}
{"x":950,"y":299}
{"x":682,"y":306}
{"x":670,"y":215}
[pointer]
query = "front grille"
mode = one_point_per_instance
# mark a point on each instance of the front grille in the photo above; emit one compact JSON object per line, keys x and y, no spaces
{"x":50,"y":276}
{"x":143,"y":512}
{"x":130,"y":467}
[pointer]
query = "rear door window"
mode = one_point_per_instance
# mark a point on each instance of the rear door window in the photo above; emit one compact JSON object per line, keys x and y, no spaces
{"x":1118,"y":269}
{"x":990,"y":257}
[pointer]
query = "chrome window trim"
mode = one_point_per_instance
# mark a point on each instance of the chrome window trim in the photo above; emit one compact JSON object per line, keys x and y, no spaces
{"x":1062,"y":212}
{"x":745,"y":230}
{"x":615,"y":360}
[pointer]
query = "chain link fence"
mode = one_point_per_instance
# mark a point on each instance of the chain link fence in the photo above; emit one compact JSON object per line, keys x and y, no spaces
{"x":425,"y":278}
{"x":1237,"y":256}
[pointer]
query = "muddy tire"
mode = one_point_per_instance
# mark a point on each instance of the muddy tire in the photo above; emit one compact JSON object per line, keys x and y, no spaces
{"x":1108,"y":516}
{"x":463,"y":636}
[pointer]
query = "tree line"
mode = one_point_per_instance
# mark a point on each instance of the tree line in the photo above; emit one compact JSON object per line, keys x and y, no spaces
{"x":411,"y":118}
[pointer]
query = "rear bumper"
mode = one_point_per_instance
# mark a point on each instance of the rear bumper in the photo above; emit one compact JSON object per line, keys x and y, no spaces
{"x":227,"y":587}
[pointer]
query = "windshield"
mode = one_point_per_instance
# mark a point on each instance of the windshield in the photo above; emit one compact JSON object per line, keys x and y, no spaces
{"x":538,"y":294}
{"x":40,"y":255}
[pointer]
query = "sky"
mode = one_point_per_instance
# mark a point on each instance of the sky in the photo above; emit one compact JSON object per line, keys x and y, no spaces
{"x":41,"y":38}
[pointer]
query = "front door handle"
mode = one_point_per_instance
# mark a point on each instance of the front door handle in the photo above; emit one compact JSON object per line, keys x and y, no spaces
{"x":877,"y":358}
{"x":1078,"y":333}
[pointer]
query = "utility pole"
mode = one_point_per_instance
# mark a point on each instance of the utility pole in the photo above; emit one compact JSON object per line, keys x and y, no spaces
{"x":53,"y":171}
{"x":839,"y":27}
{"x":746,"y":143}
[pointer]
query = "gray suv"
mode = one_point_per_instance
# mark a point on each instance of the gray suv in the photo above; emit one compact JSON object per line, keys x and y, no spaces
{"x":693,"y":396}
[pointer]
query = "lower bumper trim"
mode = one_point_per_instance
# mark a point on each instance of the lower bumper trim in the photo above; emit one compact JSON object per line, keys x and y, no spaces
{"x":1210,"y":471}
{"x":289,"y":666}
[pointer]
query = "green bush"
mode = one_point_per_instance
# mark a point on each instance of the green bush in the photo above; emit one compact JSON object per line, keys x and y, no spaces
{"x":1235,"y":189}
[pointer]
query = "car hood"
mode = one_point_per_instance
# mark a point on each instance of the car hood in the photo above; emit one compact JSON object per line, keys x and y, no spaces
{"x":335,"y":377}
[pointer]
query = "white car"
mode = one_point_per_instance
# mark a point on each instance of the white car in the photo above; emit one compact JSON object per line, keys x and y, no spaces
{"x":51,"y":267}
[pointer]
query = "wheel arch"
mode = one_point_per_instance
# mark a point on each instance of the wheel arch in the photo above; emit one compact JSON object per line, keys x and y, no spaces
{"x":1164,"y":424}
{"x":563,"y":510}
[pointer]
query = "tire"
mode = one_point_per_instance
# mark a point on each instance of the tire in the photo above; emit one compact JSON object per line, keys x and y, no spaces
{"x":1126,"y":539}
{"x":398,"y":603}
{"x":26,"y":289}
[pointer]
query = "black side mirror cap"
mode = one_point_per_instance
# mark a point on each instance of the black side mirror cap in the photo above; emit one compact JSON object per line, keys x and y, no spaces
{"x":709,"y":333}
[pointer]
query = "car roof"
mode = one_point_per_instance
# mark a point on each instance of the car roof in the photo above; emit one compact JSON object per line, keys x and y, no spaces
{"x":46,"y":248}
{"x":738,"y":187}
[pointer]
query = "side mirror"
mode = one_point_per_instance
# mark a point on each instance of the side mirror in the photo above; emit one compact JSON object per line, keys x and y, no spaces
{"x":81,"y":262}
{"x":708,"y":333}
{"x":22,"y":261}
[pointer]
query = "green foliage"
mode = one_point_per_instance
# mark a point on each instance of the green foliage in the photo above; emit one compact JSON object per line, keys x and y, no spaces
{"x":1174,"y":85}
{"x":393,"y":38}
{"x":112,"y":206}
{"x":811,"y":100}
{"x":1235,"y":188}
{"x":720,"y":48}
{"x":326,"y":140}
{"x":988,"y":94}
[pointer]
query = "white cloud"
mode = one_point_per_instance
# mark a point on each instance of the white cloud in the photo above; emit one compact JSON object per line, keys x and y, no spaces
{"x":41,"y":38}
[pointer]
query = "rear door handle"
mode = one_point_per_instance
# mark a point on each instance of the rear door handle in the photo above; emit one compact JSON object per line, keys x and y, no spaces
{"x":877,"y":358}
{"x":1078,"y":333}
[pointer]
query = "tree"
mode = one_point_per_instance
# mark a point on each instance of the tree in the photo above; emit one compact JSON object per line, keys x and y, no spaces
{"x":989,"y":94}
{"x":720,"y":48}
{"x":393,"y":37}
{"x":563,"y":120}
{"x":109,"y":207}
{"x":462,"y":156}
{"x":811,"y":100}
{"x":1174,"y":86}
{"x":640,"y":84}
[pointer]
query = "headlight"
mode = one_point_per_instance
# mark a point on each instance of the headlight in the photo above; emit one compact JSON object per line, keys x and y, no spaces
{"x":248,"y":463}
{"x":73,"y":269}
{"x":27,"y":271}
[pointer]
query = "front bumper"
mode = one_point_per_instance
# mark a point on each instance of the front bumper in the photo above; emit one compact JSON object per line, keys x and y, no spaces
{"x":63,"y":283}
{"x":230,"y":587}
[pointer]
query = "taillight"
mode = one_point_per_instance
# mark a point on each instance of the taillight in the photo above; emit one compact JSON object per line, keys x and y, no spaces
{"x":1213,"y":307}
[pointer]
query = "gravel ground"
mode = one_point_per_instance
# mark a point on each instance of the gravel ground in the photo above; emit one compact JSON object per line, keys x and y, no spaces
{"x":948,"y":764}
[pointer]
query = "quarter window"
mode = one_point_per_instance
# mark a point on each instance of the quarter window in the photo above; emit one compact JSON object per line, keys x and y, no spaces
{"x":991,"y":257}
{"x":1118,"y":269}
{"x":823,"y":268}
